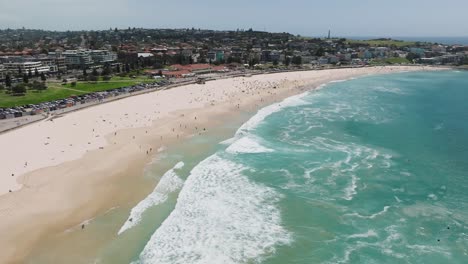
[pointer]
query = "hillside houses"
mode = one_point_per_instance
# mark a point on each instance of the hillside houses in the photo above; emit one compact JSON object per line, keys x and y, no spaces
{"x":57,"y":53}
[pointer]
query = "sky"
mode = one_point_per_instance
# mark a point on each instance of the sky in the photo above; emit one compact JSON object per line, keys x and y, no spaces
{"x":383,"y":18}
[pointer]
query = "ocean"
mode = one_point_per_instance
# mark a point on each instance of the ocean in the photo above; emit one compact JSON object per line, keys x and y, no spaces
{"x":440,"y":40}
{"x":368,"y":170}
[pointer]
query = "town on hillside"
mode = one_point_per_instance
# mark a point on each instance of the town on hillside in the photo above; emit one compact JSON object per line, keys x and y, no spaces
{"x":43,"y":71}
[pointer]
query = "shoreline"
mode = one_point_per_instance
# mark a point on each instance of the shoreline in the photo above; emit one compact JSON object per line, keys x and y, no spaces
{"x":172,"y":86}
{"x":113,"y":153}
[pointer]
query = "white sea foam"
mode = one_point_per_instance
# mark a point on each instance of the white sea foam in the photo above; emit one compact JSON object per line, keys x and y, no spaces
{"x":263,"y":113}
{"x":397,"y":199}
{"x":228,"y":141}
{"x":350,"y":191}
{"x":439,"y":126}
{"x":370,"y":233}
{"x":220,"y":217}
{"x":394,"y":90}
{"x":247,"y":144}
{"x":161,"y":149}
{"x":179,"y":165}
{"x":428,"y":249}
{"x":385,"y":209}
{"x":169,"y":183}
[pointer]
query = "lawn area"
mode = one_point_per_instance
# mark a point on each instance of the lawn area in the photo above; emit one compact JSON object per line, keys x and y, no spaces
{"x":33,"y":97}
{"x":88,"y":87}
{"x":57,"y":91}
{"x":390,"y":61}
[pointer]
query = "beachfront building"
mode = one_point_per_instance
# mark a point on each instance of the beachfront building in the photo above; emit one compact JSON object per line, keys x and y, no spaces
{"x":55,"y":58}
{"x":103,"y":56}
{"x":190,"y":70}
{"x":52,"y":64}
{"x":77,"y":58}
{"x":25,"y":67}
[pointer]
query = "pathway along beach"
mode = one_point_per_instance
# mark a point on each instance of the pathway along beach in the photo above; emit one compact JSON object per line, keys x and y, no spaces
{"x":55,"y":174}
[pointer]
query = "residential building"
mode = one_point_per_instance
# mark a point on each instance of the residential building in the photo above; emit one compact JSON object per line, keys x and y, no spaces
{"x":270,"y":55}
{"x":216,"y":55}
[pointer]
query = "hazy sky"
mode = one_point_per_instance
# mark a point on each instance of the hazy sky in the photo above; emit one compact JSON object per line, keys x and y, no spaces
{"x":305,"y":17}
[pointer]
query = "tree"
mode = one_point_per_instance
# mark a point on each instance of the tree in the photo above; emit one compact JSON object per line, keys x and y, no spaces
{"x":106,"y":78}
{"x":117,"y":68}
{"x":2,"y":87}
{"x":25,"y":78}
{"x":202,"y":59}
{"x":8,"y":80}
{"x":43,"y":77}
{"x":275,"y":63}
{"x":36,"y":73}
{"x":95,"y":73}
{"x":93,"y":78}
{"x":287,"y":60}
{"x":73,"y":84}
{"x":297,"y":60}
{"x":39,"y":86}
{"x":106,"y":71}
{"x":320,"y":52}
{"x":20,"y":71}
{"x":84,"y":72}
{"x":19,"y":89}
{"x":29,"y":74}
{"x":127,"y":68}
{"x":253,"y":62}
{"x":412,"y":56}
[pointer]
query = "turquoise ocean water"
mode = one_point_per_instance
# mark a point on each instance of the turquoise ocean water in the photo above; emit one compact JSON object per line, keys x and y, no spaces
{"x":370,"y":170}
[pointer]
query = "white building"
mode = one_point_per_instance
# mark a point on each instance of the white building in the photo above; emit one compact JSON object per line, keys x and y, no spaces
{"x":77,"y":58}
{"x":145,"y":55}
{"x":25,"y":67}
{"x":103,"y":56}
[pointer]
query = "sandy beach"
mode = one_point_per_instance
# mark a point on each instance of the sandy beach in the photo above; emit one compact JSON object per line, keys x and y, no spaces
{"x":58,"y":172}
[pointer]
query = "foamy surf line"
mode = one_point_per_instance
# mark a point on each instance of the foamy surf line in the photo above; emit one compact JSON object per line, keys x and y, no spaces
{"x":263,"y":113}
{"x":259,"y":117}
{"x":169,"y":183}
{"x":242,"y":142}
{"x":247,"y":144}
{"x":220,"y":217}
